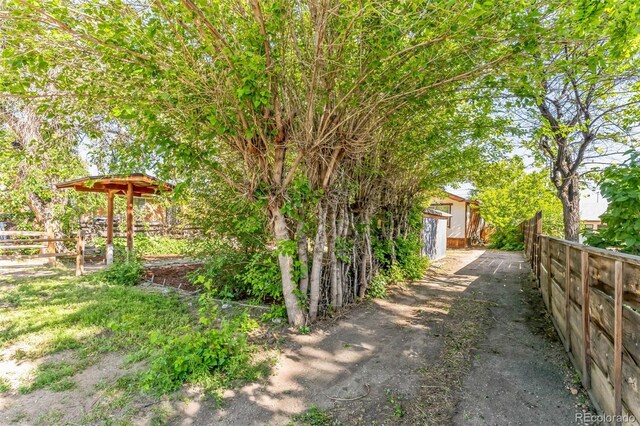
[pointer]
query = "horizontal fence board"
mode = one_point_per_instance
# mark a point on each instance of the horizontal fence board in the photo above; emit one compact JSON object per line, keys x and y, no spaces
{"x":22,"y":234}
{"x":557,"y":250}
{"x":21,"y":246}
{"x":35,"y":256}
{"x":603,"y":392}
{"x":601,"y":389}
{"x":557,"y":272}
{"x":557,"y":298}
{"x":602,"y":313}
{"x":35,"y":240}
{"x":543,"y":288}
{"x":603,"y":356}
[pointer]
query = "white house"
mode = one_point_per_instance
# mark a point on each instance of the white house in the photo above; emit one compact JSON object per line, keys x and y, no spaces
{"x":465,"y":225}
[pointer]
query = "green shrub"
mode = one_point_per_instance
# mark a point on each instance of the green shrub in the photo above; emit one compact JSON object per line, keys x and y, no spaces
{"x":509,"y":239}
{"x":206,"y":355}
{"x":219,"y":275}
{"x":235,"y":275}
{"x":378,"y":286}
{"x":276,"y":312}
{"x":127,"y":273}
{"x":261,"y":276}
{"x":411,"y":263}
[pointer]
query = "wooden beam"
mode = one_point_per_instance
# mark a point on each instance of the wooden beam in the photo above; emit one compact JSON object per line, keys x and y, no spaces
{"x":567,"y":298}
{"x":617,"y":343}
{"x":80,"y":254}
{"x":586,"y":320}
{"x":51,"y":246}
{"x":137,"y":192}
{"x":109,"y":243}
{"x":32,"y":240}
{"x":22,"y":234}
{"x":130,"y":219}
{"x":22,"y":246}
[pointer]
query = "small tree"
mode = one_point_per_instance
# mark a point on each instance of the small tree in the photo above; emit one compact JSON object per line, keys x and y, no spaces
{"x":620,"y":185}
{"x":509,"y":195}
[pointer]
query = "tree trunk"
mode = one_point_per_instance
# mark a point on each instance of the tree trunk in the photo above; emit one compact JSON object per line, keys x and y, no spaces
{"x":44,"y":213}
{"x":316,"y":266}
{"x":340,"y":228}
{"x":295,"y":313}
{"x":366,"y":259}
{"x":333,"y":260}
{"x":303,"y":257}
{"x":570,"y":198}
{"x":392,"y":241}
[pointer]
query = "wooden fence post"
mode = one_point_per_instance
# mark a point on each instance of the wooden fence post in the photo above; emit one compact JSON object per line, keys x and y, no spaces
{"x":567,"y":298}
{"x":586,"y":319}
{"x":617,"y":342}
{"x":51,"y":246}
{"x":80,"y":254}
{"x":547,"y":266}
{"x":538,"y":246}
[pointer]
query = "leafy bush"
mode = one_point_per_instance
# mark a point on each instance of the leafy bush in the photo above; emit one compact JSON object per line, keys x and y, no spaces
{"x":276,"y":312}
{"x":620,"y":185}
{"x":201,"y":356}
{"x":234,"y":274}
{"x":261,"y":276}
{"x":509,"y":239}
{"x":410,"y":259}
{"x":219,"y":275}
{"x":125,"y":273}
{"x":378,"y":286}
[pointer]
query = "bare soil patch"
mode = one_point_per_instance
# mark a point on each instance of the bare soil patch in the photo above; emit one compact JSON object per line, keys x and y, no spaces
{"x":172,"y":275}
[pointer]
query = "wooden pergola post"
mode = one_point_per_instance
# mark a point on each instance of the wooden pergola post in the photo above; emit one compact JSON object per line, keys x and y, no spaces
{"x":109,"y":244}
{"x":129,"y":218}
{"x":133,"y":185}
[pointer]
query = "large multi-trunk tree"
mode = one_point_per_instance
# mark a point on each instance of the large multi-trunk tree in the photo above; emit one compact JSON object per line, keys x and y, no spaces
{"x":287,"y":103}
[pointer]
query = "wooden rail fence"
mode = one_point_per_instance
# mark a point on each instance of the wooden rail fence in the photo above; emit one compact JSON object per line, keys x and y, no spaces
{"x":45,"y":242}
{"x":593,"y":297}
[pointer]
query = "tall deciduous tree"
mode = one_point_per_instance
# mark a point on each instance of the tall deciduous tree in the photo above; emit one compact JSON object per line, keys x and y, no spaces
{"x":284,"y":102}
{"x":577,"y":93}
{"x":36,"y":153}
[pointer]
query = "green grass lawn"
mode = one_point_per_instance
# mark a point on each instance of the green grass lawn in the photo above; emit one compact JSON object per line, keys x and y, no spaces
{"x":86,"y":318}
{"x":50,"y":314}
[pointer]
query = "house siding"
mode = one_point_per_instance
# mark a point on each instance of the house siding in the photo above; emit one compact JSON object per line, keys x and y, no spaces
{"x":456,"y":234}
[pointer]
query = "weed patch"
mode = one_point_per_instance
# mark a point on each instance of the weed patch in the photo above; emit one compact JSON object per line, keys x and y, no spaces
{"x":467,"y":322}
{"x":313,"y":417}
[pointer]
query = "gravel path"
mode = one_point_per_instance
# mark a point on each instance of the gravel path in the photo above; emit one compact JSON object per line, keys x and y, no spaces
{"x":520,"y":373}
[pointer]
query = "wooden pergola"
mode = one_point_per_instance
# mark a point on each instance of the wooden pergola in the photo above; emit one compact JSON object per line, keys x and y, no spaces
{"x":134,"y":185}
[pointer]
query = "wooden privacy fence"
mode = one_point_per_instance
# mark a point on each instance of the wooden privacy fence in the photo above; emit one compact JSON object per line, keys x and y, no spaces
{"x":593,"y":297}
{"x":19,"y":242}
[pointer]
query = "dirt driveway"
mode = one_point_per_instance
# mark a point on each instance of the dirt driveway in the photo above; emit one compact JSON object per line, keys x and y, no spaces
{"x":469,"y":344}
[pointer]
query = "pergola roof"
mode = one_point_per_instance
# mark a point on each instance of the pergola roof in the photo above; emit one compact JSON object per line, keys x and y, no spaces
{"x":143,"y":185}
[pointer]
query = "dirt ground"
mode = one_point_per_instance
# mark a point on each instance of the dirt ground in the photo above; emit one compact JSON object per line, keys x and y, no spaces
{"x":373,"y":366}
{"x":468,"y":344}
